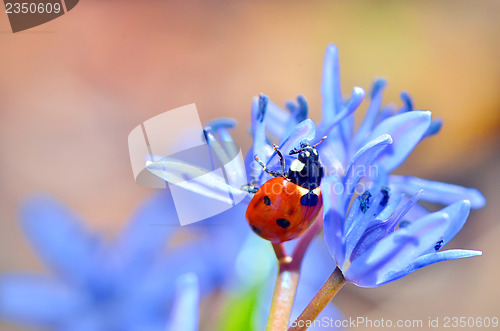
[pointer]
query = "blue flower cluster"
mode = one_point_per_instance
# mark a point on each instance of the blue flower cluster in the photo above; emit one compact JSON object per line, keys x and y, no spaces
{"x":385,"y":234}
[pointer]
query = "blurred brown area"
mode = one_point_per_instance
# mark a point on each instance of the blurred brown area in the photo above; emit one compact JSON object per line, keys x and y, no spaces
{"x":71,"y":90}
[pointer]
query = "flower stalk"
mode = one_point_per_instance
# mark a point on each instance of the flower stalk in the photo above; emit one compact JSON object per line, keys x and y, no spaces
{"x":288,"y":278}
{"x":324,"y":296}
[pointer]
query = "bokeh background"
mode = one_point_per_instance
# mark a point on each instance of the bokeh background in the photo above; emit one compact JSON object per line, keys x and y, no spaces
{"x":71,"y":90}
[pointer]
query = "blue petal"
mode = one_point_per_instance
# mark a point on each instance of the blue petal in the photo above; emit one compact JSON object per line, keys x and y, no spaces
{"x":330,"y":85}
{"x":397,"y":251}
{"x":303,"y":132}
{"x":438,"y":192}
{"x":428,"y":259}
{"x":357,"y":97}
{"x":458,"y":212}
{"x":407,"y":102}
{"x":37,"y":301}
{"x":365,"y":218}
{"x":298,"y":114}
{"x":406,"y":130}
{"x":278,"y":120}
{"x":192,"y":178}
{"x":434,"y":128}
{"x":378,"y":231}
{"x":60,"y":238}
{"x":333,"y":155}
{"x":371,"y":114}
{"x":259,"y":109}
{"x":361,"y":162}
{"x":333,"y":218}
{"x":229,"y":155}
{"x":185,"y":313}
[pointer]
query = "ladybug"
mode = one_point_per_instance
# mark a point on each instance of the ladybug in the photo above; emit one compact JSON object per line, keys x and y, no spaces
{"x":285,"y":206}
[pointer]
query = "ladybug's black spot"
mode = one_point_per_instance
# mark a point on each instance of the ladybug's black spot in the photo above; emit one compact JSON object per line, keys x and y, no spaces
{"x":255,"y":229}
{"x":284,"y":223}
{"x":364,"y":203}
{"x":267,"y":201}
{"x":438,"y":245}
{"x":310,"y":199}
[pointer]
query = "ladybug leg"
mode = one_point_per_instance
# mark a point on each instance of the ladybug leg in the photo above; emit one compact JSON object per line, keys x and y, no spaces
{"x":250,"y":188}
{"x":270,"y":172}
{"x":282,"y":159}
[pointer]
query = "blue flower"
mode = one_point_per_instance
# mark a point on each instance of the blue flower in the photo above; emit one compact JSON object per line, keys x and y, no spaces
{"x":376,"y":241}
{"x":124,"y":284}
{"x":369,"y":240}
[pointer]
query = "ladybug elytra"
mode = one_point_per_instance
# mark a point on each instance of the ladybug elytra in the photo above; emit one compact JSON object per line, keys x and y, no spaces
{"x":285,"y":206}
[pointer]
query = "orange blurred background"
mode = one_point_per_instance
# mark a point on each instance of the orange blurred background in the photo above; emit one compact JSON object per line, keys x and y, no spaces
{"x":72,"y":89}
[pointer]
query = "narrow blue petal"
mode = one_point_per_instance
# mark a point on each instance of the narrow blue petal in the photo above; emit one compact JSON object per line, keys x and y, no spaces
{"x":38,"y":301}
{"x":192,"y":178}
{"x":416,"y":212}
{"x":371,"y":114}
{"x":303,"y":109}
{"x":397,"y":251}
{"x":458,"y":213}
{"x":407,"y":102}
{"x":362,"y":160}
{"x":434,"y":128}
{"x":229,"y":155}
{"x":365,"y":218}
{"x":386,"y":112}
{"x":330,"y":85}
{"x":357,"y":97}
{"x":333,"y":218}
{"x":300,"y":110}
{"x":303,"y":132}
{"x":438,"y":192}
{"x":185,"y":313}
{"x":406,"y":130}
{"x":377,"y":231}
{"x":259,"y":109}
{"x":59,"y":237}
{"x":221,"y":123}
{"x":278,"y":120}
{"x":428,"y":259}
{"x":333,"y":153}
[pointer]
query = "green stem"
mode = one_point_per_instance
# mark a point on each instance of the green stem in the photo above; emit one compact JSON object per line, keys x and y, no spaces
{"x":325,"y":295}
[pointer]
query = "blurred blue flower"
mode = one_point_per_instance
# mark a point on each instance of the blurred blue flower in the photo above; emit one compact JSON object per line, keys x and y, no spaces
{"x":126,"y":284}
{"x":185,"y":312}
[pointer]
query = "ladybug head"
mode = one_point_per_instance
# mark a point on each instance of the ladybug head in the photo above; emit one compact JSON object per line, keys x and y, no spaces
{"x":306,"y":153}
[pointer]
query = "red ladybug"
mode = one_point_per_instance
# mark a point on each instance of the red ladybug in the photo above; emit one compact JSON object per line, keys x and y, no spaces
{"x":285,"y":206}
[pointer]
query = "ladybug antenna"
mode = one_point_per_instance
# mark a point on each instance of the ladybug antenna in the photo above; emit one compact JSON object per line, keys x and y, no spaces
{"x":319,"y":142}
{"x":295,"y":151}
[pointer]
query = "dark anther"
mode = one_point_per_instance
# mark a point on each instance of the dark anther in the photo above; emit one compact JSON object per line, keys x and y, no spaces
{"x":385,"y":196}
{"x":438,"y":245}
{"x":365,"y":201}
